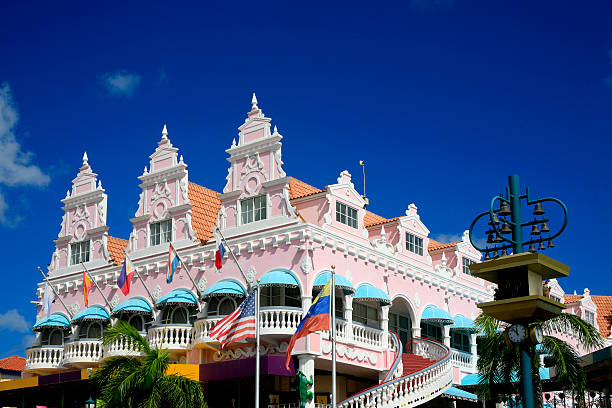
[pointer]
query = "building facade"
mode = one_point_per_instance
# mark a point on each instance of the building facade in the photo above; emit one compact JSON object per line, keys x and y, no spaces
{"x":284,"y":235}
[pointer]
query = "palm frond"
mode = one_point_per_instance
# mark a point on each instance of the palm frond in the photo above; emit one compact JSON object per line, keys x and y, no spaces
{"x":180,"y":388}
{"x":123,"y":331}
{"x":586,"y":333}
{"x":569,"y":373}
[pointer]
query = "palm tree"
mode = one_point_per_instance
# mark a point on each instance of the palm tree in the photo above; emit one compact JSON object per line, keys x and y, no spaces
{"x":499,"y":363}
{"x":140,"y":382}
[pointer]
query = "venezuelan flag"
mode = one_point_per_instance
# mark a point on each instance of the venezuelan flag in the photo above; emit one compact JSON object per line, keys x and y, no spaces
{"x":316,"y":319}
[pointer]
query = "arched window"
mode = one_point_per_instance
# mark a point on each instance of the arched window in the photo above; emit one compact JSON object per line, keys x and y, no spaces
{"x":90,"y":330}
{"x":460,"y":340}
{"x":366,"y":313}
{"x":52,"y":337}
{"x":339,"y":301}
{"x":180,"y":315}
{"x":280,"y":296}
{"x":137,"y":322}
{"x":431,"y":331}
{"x":221,"y":306}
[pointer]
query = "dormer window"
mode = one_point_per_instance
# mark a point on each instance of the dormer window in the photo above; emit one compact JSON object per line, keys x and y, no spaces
{"x":161,"y":232}
{"x":466,"y":265}
{"x":346,"y":215}
{"x":555,"y":298}
{"x":253,"y":209}
{"x":589,"y":317}
{"x":79,"y":252}
{"x":414,"y":244}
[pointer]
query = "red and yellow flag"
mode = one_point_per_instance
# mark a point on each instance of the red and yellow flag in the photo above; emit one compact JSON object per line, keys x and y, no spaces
{"x":87,"y":285}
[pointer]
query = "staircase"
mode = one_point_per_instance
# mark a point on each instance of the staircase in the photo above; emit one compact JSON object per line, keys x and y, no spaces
{"x":425,"y":374}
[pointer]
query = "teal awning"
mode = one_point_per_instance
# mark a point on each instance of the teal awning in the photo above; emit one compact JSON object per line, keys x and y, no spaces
{"x":133,"y":305}
{"x":460,"y":394}
{"x":225,"y":288}
{"x":95,"y":312}
{"x":433,"y":314}
{"x":341,"y":282}
{"x":367,"y":291}
{"x":177,"y":297}
{"x":463,"y":323}
{"x":279,"y":277}
{"x":55,"y":320}
{"x":474,"y":379}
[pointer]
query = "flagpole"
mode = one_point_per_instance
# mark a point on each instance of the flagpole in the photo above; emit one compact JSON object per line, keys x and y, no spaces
{"x":333,"y":333}
{"x":110,"y":308}
{"x":257,"y":369}
{"x":186,"y":270}
{"x":140,"y":277}
{"x":57,"y":296}
{"x":234,"y":256}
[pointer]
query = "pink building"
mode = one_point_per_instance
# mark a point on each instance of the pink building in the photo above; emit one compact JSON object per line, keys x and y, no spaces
{"x":287,"y":234}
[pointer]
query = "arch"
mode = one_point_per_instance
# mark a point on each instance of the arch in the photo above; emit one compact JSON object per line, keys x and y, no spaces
{"x":416,"y":320}
{"x":217,"y":302}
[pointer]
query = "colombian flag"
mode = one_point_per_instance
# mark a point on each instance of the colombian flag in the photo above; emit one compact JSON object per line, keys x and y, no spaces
{"x":87,"y":285}
{"x":316,"y":319}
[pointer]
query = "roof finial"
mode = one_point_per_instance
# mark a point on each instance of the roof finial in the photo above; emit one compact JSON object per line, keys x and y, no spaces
{"x":85,"y":158}
{"x":254,"y":101}
{"x":275,"y":130}
{"x":165,"y":132}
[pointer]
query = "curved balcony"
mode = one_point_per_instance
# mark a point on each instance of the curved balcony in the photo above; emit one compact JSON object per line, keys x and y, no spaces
{"x":201,"y":330}
{"x":83,"y":353}
{"x":173,"y":337}
{"x":121,"y":347}
{"x":463,"y":360}
{"x":44,"y":359}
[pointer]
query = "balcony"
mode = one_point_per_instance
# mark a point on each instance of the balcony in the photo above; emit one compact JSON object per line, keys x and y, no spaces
{"x":173,"y":337}
{"x":83,"y":353}
{"x":462,"y":360}
{"x":44,"y":359}
{"x":121,"y":347}
{"x":201,"y":330}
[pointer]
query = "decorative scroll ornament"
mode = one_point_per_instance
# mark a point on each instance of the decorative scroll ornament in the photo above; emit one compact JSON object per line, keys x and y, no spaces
{"x":350,"y":353}
{"x":250,"y":274}
{"x":443,"y":268}
{"x":102,"y":213}
{"x":381,"y":243}
{"x":202,"y":283}
{"x":184,"y":190}
{"x":157,"y":292}
{"x":74,"y":308}
{"x":279,"y":163}
{"x":417,"y":299}
{"x":162,"y":191}
{"x":306,"y":264}
{"x":114,"y":301}
{"x":249,"y":351}
{"x":80,"y":214}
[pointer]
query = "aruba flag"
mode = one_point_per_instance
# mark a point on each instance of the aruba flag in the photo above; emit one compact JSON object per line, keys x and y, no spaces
{"x":87,"y":285}
{"x":173,"y":262}
{"x":125,"y":278}
{"x":316,"y":319}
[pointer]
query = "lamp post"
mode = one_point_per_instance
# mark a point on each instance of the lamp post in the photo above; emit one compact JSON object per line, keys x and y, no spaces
{"x":517,"y":279}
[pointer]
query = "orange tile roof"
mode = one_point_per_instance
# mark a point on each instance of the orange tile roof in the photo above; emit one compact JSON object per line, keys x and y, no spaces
{"x":604,"y":310}
{"x":13,"y":363}
{"x":116,"y":249}
{"x":206,"y":205}
{"x":572,"y":298}
{"x":299,"y":189}
{"x":371,"y":219}
{"x":435,"y":245}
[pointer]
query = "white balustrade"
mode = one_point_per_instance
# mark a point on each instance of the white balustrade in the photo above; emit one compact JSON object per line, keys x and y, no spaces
{"x":341,"y":331}
{"x":462,"y":359}
{"x":44,"y":358}
{"x":123,"y":346}
{"x":279,"y":320}
{"x":171,"y":337}
{"x":83,"y":352}
{"x":428,"y":349}
{"x":202,"y":328}
{"x":368,"y":336}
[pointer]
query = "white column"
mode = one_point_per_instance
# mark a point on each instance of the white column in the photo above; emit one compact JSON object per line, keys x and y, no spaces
{"x":348,"y":315}
{"x":446,"y":335}
{"x":416,"y":331}
{"x":306,"y":365}
{"x":384,"y":325}
{"x":306,"y":303}
{"x":474,"y":351}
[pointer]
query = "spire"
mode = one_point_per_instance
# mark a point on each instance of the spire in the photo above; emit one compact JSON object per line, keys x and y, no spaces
{"x":254,"y":102}
{"x":275,"y":130}
{"x":165,"y":132}
{"x":85,"y":158}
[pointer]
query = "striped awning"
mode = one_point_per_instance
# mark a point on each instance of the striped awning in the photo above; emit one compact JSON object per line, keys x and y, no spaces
{"x":341,"y":282}
{"x":225,"y":287}
{"x":55,"y":320}
{"x":367,"y":291}
{"x":279,"y":277}
{"x":95,"y":312}
{"x":177,"y":297}
{"x":133,"y":305}
{"x":433,"y":314}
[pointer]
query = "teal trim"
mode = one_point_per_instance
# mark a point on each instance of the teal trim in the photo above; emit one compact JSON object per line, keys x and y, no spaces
{"x":95,"y":312}
{"x":54,"y":320}
{"x":456,"y":392}
{"x":474,"y":379}
{"x":433,"y":314}
{"x":279,"y":277}
{"x":463,"y":323}
{"x":367,"y":291}
{"x":177,"y":296}
{"x":134,"y":305}
{"x":225,"y":287}
{"x":341,"y":282}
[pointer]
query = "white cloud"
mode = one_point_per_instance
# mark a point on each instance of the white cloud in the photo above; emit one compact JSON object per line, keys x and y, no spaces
{"x":120,"y":83}
{"x":27,"y":340}
{"x":446,"y":238}
{"x":16,"y":168}
{"x":13,"y":321}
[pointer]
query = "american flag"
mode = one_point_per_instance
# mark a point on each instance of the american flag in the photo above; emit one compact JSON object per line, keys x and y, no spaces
{"x":238,"y":325}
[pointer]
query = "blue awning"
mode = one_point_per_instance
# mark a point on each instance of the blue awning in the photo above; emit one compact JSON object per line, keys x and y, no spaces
{"x":474,"y":379}
{"x":133,"y":305}
{"x":94,"y":312}
{"x":463,"y":323}
{"x":55,"y":320}
{"x":176,"y":297}
{"x":279,"y":277}
{"x":433,"y":314}
{"x":460,"y":394}
{"x":366,"y":291}
{"x":225,"y":288}
{"x":341,"y":282}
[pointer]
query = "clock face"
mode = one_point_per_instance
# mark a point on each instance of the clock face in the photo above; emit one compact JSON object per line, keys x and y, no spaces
{"x":539,"y":335}
{"x":517,"y":333}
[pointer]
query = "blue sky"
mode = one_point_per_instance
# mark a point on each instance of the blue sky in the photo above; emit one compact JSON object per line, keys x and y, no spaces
{"x":443,"y":100}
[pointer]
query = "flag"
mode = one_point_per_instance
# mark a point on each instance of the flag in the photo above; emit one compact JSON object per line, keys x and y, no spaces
{"x":173,"y":262}
{"x":125,"y":278}
{"x":87,"y":285}
{"x":48,"y":298}
{"x":316,"y":319}
{"x":238,"y":325}
{"x":219,"y":254}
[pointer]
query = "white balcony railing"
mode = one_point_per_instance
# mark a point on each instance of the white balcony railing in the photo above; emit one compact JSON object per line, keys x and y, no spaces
{"x":462,"y":359}
{"x":202,"y":328}
{"x":171,"y":336}
{"x":368,"y":336}
{"x":83,"y":353}
{"x":121,"y":347}
{"x":42,"y":358}
{"x":273,"y":320}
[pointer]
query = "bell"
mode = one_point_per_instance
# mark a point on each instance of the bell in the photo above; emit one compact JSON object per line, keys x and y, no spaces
{"x":544,"y":228}
{"x":495,"y":220}
{"x":499,"y":239}
{"x":487,"y":256}
{"x":541,"y":247}
{"x":490,"y":239}
{"x":537,"y":210}
{"x":504,"y":209}
{"x":550,"y":244}
{"x":531,"y":248}
{"x":506,"y":228}
{"x":535,"y":230}
{"x":504,"y":252}
{"x":495,"y":255}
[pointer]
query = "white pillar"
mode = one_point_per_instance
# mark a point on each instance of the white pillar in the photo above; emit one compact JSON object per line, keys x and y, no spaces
{"x":446,"y":335}
{"x":306,"y":303}
{"x":306,"y":365}
{"x":416,"y":331}
{"x":384,"y":325}
{"x":474,"y":351}
{"x":348,"y":315}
